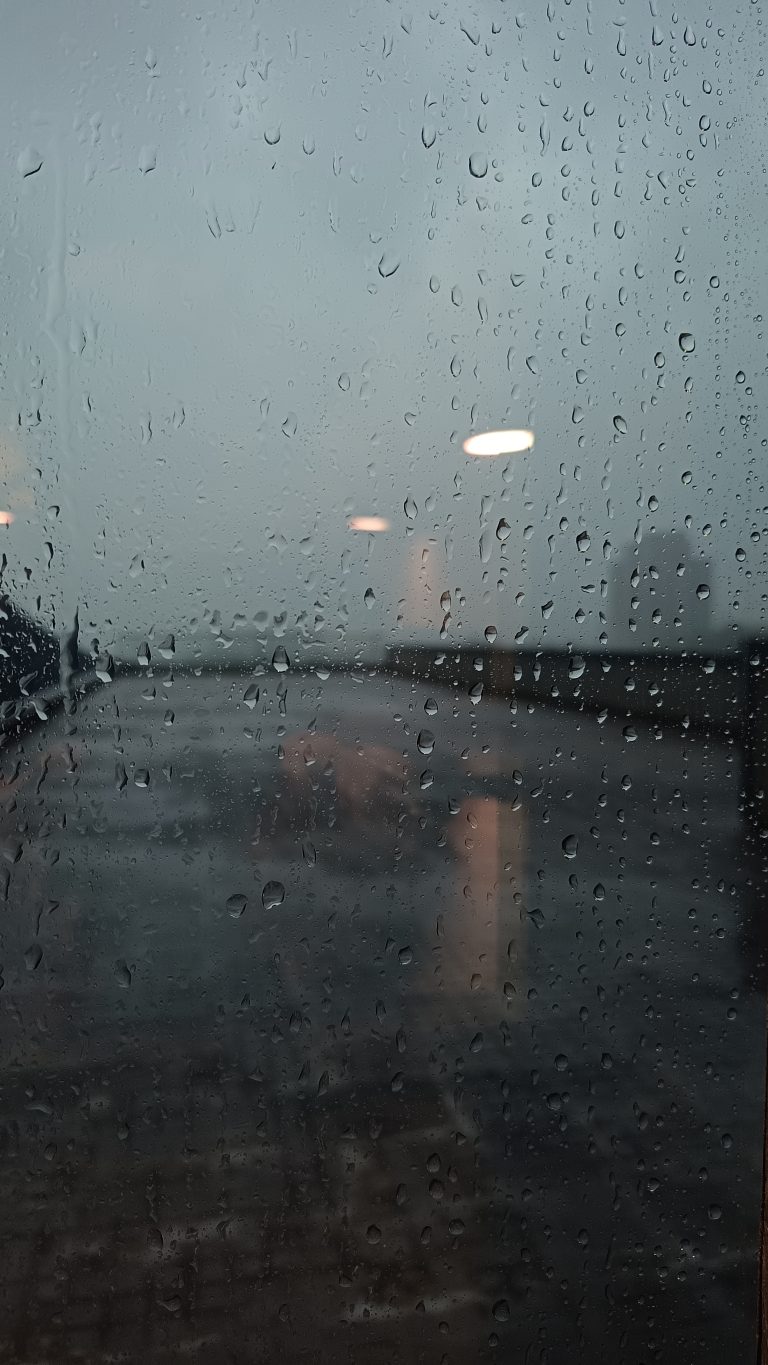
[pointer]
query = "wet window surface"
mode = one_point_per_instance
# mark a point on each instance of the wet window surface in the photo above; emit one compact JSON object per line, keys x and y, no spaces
{"x":383,"y":737}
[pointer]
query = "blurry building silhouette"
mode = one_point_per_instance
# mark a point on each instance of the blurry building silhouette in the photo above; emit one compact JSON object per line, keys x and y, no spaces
{"x":660,"y":596}
{"x":29,"y":654}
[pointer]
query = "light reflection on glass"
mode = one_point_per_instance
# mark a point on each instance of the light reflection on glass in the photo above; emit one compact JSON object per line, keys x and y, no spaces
{"x":487,"y":444}
{"x":372,"y":524}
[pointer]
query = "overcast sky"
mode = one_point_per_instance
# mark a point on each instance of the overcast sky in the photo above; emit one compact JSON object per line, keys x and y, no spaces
{"x":278,"y":260}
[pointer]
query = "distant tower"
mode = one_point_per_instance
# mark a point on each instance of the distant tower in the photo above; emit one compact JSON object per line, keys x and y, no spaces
{"x":660,"y":596}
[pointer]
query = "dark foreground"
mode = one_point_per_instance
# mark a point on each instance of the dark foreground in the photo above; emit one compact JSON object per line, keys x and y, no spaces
{"x":326,"y":1042}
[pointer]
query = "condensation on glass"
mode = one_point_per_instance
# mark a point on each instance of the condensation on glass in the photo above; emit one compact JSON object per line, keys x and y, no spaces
{"x":383,"y":521}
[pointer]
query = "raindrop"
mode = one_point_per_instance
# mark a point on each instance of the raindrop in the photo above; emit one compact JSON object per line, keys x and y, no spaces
{"x":236,"y":905}
{"x":425,"y":742}
{"x":686,"y":342}
{"x":570,"y":845}
{"x":702,"y":592}
{"x":583,"y":542}
{"x":501,"y":1310}
{"x":272,"y":136}
{"x":430,"y":706}
{"x":272,"y":895}
{"x":410,"y":508}
{"x":123,"y":975}
{"x":104,"y":667}
{"x":405,"y":956}
{"x":344,"y":382}
{"x":251,"y":695}
{"x":369,"y":597}
{"x":490,"y":634}
{"x":428,"y":135}
{"x":147,"y":160}
{"x":373,"y":1234}
{"x":289,"y":425}
{"x":280,"y":661}
{"x":478,"y":165}
{"x":29,"y":161}
{"x":620,"y":424}
{"x":388,"y":265}
{"x":503,"y":530}
{"x":33,"y":957}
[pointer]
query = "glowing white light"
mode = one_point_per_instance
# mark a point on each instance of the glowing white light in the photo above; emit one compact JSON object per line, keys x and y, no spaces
{"x":6,"y":518}
{"x":368,"y":524}
{"x":487,"y":444}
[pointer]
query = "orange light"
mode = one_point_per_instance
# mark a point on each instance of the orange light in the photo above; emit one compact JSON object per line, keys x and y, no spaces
{"x":487,"y":444}
{"x":372,"y":524}
{"x":6,"y":518}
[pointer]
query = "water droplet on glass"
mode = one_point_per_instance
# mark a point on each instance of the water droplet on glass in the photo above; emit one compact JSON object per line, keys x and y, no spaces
{"x":425,"y":742}
{"x":686,"y":342}
{"x":280,"y":661}
{"x":702,"y":592}
{"x":620,"y":424}
{"x":123,"y":975}
{"x":490,"y":633}
{"x":29,"y":161}
{"x":570,"y":845}
{"x":33,"y":957}
{"x":478,"y":165}
{"x":272,"y":895}
{"x":147,"y":160}
{"x":501,"y":1310}
{"x":236,"y":905}
{"x":388,"y":265}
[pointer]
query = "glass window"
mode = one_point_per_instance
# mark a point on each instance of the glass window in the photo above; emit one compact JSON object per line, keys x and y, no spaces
{"x":384,"y":741}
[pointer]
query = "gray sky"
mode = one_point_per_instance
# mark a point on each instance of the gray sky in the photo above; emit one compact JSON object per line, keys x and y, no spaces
{"x":194,"y":305}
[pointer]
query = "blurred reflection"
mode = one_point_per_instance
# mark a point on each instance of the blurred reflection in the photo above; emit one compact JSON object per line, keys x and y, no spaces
{"x":488,"y":444}
{"x":307,"y":982}
{"x":371,"y":524}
